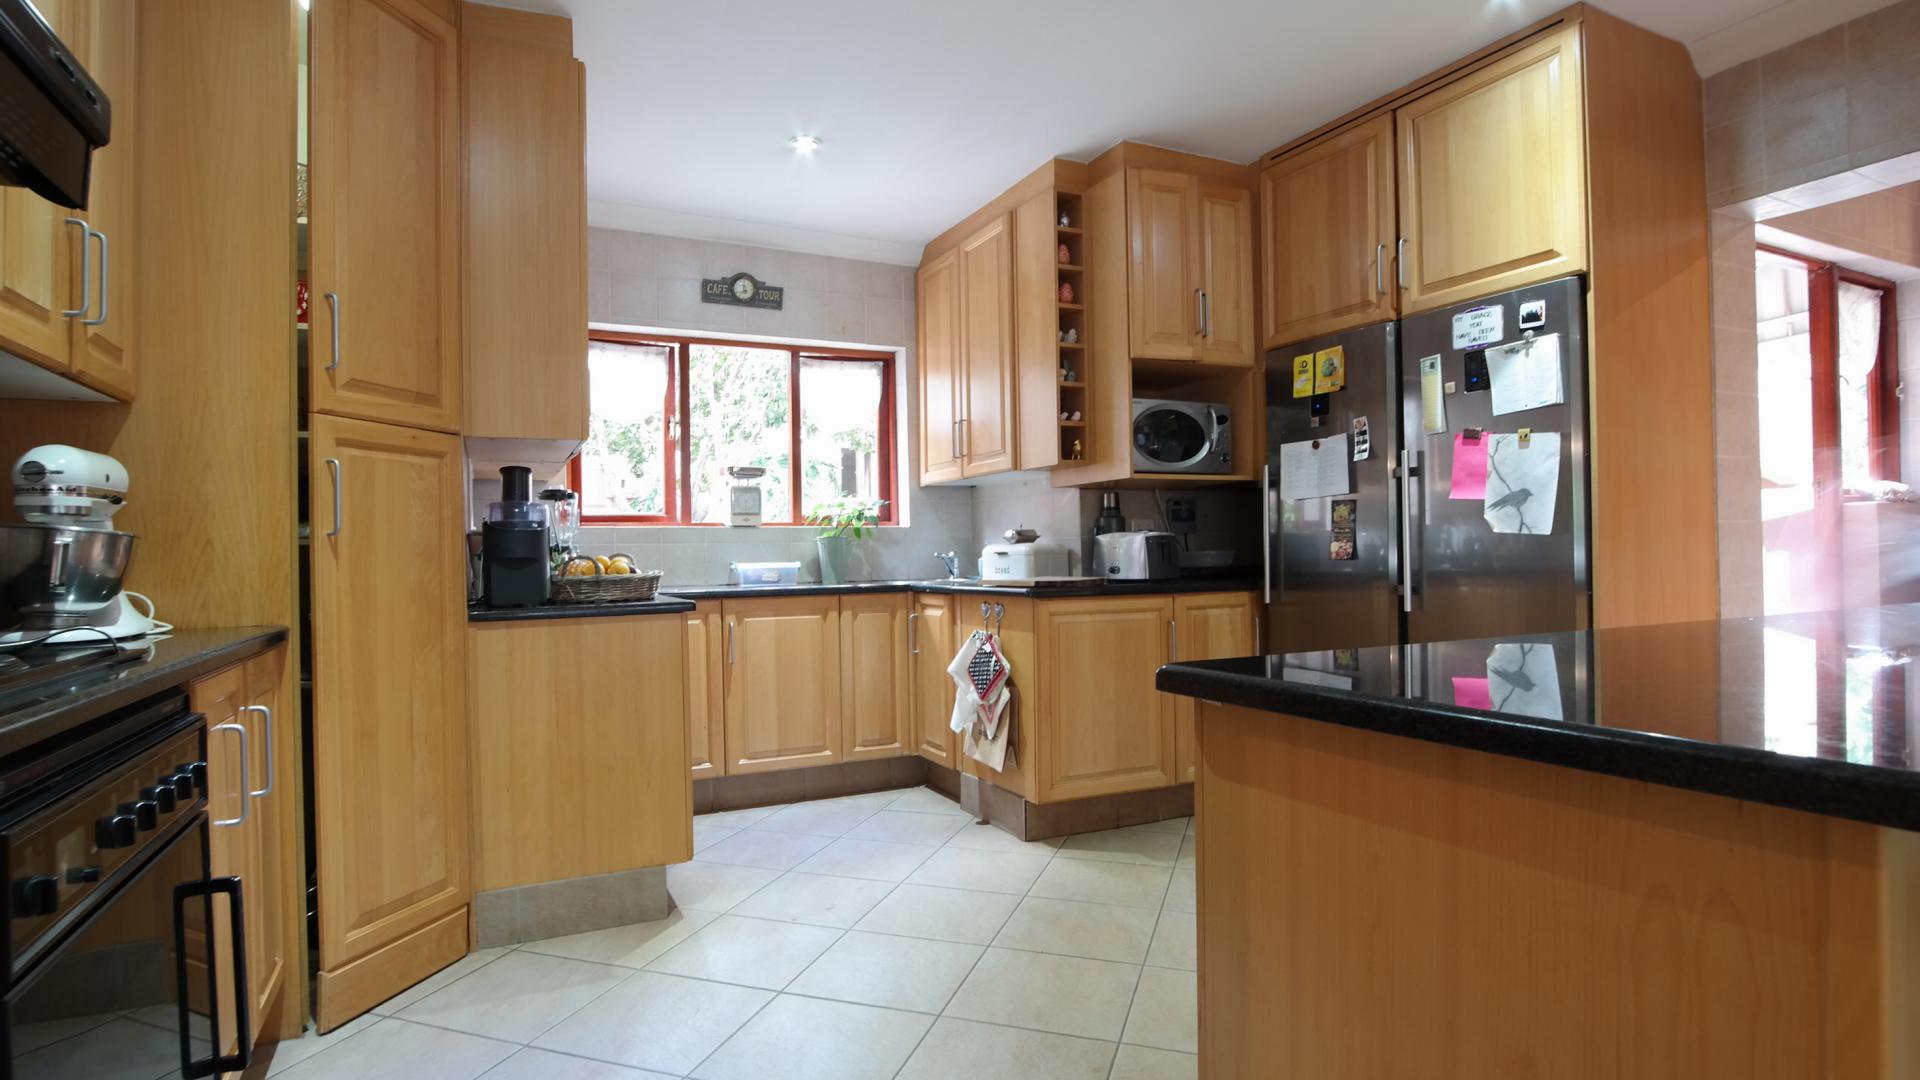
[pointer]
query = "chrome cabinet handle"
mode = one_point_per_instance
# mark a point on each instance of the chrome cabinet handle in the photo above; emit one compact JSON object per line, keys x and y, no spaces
{"x":1409,"y":476}
{"x":1266,"y":533}
{"x":241,"y":730}
{"x":956,"y":440}
{"x":333,"y":307}
{"x":86,"y":272}
{"x":913,"y":637}
{"x":333,"y":466}
{"x":729,"y":641}
{"x":1206,"y":313}
{"x":966,"y":437}
{"x":266,"y":720}
{"x":1380,"y":267}
{"x":1400,"y":263}
{"x":1200,"y":310}
{"x":104,"y":278}
{"x":1259,"y":646}
{"x":1173,"y":641}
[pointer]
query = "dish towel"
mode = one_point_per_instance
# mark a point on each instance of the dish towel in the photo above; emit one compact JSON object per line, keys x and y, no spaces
{"x":983,"y":698}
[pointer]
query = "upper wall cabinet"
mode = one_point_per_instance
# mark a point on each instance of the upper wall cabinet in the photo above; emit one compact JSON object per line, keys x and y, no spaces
{"x":965,"y":307}
{"x":1327,"y":239}
{"x":1189,"y":268}
{"x":524,"y":106}
{"x":937,"y":304}
{"x":1493,"y":189}
{"x":385,"y":213}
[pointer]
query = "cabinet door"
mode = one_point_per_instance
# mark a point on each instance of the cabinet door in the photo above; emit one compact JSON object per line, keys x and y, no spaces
{"x":987,"y":420}
{"x":103,"y":353}
{"x":1209,"y":626}
{"x":930,"y":645}
{"x":875,"y":713}
{"x":1327,"y":236}
{"x":1163,"y":265}
{"x":270,"y":839}
{"x":1493,"y":189}
{"x":40,"y":251}
{"x":1226,"y":275}
{"x":937,"y":307}
{"x":706,"y":664}
{"x":385,"y":214}
{"x":524,"y":108}
{"x":389,"y":720}
{"x":231,"y":847}
{"x":783,"y":683}
{"x":1104,"y":726}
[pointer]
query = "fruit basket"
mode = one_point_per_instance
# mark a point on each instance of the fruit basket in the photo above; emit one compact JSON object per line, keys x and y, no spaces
{"x":613,"y":580}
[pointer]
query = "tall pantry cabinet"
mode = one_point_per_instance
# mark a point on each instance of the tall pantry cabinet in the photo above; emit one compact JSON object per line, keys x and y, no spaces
{"x":386,"y":507}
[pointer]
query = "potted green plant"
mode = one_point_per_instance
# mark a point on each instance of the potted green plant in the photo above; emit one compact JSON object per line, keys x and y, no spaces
{"x":842,"y":521}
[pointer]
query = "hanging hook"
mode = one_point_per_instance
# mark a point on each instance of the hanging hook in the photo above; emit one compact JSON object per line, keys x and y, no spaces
{"x":999,"y":613}
{"x":985,"y":608}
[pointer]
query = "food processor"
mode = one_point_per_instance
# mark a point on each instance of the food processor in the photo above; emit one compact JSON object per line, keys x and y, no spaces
{"x":60,"y":573}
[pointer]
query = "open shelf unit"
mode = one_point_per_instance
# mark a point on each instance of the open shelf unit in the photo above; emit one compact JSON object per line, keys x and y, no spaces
{"x":1071,"y":266}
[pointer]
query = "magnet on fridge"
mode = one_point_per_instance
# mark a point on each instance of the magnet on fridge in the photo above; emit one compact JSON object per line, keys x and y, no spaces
{"x":1471,"y":434}
{"x":1452,"y":387}
{"x":1362,"y":439}
{"x":1526,"y":436}
{"x":1317,"y":405}
{"x":1533,"y":313}
{"x":1303,"y":376}
{"x":1476,"y":371}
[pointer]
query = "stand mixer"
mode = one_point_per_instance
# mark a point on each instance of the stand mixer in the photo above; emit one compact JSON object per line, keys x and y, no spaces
{"x":60,"y":573}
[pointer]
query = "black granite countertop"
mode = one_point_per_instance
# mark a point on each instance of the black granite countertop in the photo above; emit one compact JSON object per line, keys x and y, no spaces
{"x":47,"y":709}
{"x":1816,"y":712}
{"x":674,"y":598}
{"x":661,"y":604}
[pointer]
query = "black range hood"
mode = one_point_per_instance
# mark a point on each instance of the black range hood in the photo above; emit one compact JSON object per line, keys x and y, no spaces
{"x":52,"y":114}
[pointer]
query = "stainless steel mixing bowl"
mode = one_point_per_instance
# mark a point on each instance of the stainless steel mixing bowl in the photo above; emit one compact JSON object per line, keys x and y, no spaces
{"x":52,"y":576}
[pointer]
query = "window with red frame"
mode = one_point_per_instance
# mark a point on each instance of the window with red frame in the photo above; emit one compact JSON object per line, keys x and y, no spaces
{"x":669,"y":415}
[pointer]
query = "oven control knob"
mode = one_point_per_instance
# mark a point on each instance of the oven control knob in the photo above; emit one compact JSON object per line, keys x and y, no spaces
{"x":182,"y":785}
{"x":161,"y":794}
{"x":116,"y":831}
{"x":36,"y":896}
{"x":82,"y":875}
{"x":146,"y":813}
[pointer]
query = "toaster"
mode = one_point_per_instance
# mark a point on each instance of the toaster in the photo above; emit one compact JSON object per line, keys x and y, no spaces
{"x":1137,"y":556}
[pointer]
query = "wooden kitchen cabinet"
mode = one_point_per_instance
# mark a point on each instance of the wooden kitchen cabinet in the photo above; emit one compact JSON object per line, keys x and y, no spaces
{"x":390,"y":765}
{"x":876,"y":716}
{"x":783,"y":701}
{"x":1328,"y":235}
{"x":987,"y":420}
{"x":1163,"y":272}
{"x":1208,"y":626}
{"x":1493,"y":183}
{"x":937,"y":308}
{"x":578,"y":739}
{"x":385,"y":214}
{"x":1103,"y":727}
{"x":706,"y":661}
{"x":524,"y":106}
{"x":1228,"y":329}
{"x":230,"y":839}
{"x":931,"y":644}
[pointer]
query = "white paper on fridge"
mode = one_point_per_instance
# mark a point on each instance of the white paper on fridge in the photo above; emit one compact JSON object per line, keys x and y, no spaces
{"x":1523,"y":679}
{"x":1523,"y":482}
{"x":1526,"y":375}
{"x":1315,"y":468}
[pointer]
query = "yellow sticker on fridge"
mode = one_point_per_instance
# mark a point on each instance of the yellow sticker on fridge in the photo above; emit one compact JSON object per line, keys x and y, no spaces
{"x":1303,"y":376}
{"x":1329,"y":370}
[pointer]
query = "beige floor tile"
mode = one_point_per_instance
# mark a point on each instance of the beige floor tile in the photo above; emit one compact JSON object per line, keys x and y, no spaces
{"x":876,"y":860}
{"x":1077,"y":928}
{"x":829,"y":817}
{"x":896,"y":972}
{"x":1067,"y":995}
{"x":1166,"y":1012}
{"x":116,"y":1049}
{"x":516,"y":997}
{"x":1176,"y":826}
{"x":816,"y":899}
{"x":1180,"y":894}
{"x":903,"y":827}
{"x":1104,"y":882}
{"x":160,"y":1016}
{"x":531,"y":1064}
{"x":705,"y":836}
{"x":924,"y":911}
{"x":983,"y":871}
{"x":290,"y":1052}
{"x":737,"y":819}
{"x":977,"y":837}
{"x":1186,"y":857}
{"x":439,"y":980}
{"x":1146,"y":1063}
{"x":703,"y":886}
{"x":396,"y":1050}
{"x":923,"y":800}
{"x":1174,"y":941}
{"x":746,"y":952}
{"x":797,"y":1038}
{"x":1138,"y":844}
{"x":964,"y":1050}
{"x":657,"y":1022}
{"x":772,"y":850}
{"x":29,"y":1037}
{"x":627,"y":946}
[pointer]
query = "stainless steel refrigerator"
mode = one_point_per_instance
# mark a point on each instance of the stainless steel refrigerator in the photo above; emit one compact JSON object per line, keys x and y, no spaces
{"x":1414,"y":564}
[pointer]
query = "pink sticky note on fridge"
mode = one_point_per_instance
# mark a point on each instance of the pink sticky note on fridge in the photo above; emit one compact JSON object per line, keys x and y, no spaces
{"x":1470,"y":693}
{"x":1469,"y":467}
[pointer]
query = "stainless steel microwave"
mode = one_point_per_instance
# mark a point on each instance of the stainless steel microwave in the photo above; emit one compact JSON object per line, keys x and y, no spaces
{"x":1181,"y":436}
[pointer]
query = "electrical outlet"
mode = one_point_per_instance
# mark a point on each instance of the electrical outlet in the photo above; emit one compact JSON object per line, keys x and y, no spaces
{"x":1181,"y":516}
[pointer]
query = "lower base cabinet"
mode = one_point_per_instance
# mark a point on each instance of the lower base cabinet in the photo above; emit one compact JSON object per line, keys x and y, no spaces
{"x":1208,"y":626}
{"x":1102,"y":728}
{"x":931,"y":642}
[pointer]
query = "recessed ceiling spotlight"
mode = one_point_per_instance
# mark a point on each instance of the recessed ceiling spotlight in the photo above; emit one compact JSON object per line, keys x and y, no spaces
{"x":804,"y":144}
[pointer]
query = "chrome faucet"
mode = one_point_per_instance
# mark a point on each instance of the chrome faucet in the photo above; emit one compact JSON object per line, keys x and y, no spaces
{"x":950,"y":560}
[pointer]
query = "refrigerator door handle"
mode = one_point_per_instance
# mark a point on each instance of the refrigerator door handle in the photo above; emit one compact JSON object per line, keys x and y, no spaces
{"x":1409,"y":506}
{"x":1266,"y":533}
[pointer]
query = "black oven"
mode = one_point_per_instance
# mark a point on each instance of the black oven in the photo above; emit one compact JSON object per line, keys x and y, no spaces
{"x":116,"y":965}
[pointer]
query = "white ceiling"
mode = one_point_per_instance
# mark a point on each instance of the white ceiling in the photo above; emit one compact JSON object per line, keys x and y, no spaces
{"x":927,"y":109}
